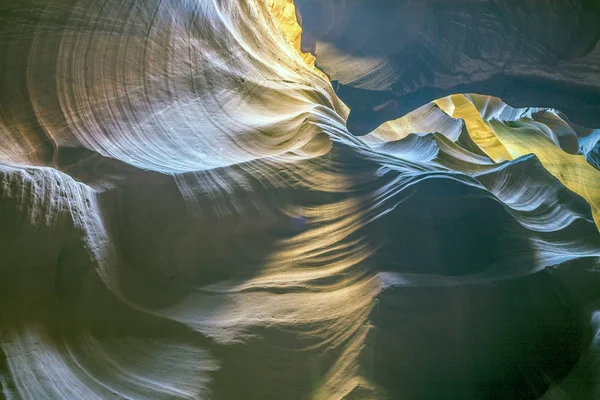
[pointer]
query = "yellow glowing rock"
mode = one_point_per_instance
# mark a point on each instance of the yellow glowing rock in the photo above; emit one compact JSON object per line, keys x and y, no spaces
{"x":284,"y":14}
{"x":572,"y":170}
{"x":458,"y":106}
{"x":502,"y":142}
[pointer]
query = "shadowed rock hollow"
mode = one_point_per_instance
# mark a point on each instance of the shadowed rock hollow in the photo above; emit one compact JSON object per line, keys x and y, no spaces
{"x":390,"y":57}
{"x":185,"y":214}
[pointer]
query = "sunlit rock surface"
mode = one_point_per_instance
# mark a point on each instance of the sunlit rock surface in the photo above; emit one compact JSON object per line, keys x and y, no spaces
{"x":184,"y":214}
{"x":391,"y":56}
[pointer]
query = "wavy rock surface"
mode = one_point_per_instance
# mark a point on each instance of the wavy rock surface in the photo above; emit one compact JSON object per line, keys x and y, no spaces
{"x":184,"y":215}
{"x":391,"y":57}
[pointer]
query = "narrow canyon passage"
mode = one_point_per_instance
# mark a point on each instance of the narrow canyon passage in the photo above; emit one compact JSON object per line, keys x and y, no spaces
{"x":201,"y":199}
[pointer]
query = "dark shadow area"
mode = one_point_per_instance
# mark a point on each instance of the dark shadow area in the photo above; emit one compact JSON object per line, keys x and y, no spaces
{"x":510,"y":337}
{"x":530,"y":54}
{"x":506,"y":340}
{"x":448,"y":228}
{"x":174,"y":249}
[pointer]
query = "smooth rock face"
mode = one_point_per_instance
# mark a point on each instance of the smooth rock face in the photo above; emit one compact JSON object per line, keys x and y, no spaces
{"x":390,"y":57}
{"x":184,"y":214}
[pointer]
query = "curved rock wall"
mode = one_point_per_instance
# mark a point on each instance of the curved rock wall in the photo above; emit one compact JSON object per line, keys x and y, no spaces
{"x":184,"y":214}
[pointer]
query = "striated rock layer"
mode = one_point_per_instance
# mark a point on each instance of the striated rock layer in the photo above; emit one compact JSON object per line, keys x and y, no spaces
{"x":184,"y":214}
